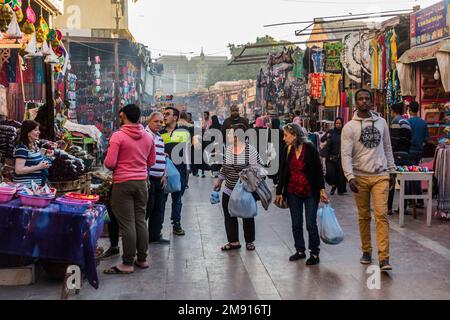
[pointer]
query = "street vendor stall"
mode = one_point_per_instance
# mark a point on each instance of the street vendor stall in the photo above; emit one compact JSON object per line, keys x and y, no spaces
{"x":50,"y":233}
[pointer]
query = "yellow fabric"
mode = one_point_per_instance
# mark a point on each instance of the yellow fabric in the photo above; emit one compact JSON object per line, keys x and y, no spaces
{"x":378,"y":188}
{"x":394,"y":55}
{"x":178,"y":136}
{"x":333,"y":98}
{"x":375,"y":64}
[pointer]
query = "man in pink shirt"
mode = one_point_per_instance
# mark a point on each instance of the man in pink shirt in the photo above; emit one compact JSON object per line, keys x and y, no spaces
{"x":130,"y":154}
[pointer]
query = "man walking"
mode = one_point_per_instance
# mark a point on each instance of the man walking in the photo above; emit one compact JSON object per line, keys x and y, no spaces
{"x":234,"y":119}
{"x":419,"y":136}
{"x":172,"y":136}
{"x":400,"y":133}
{"x":131,"y":152}
{"x":155,"y":205}
{"x":367,"y":161}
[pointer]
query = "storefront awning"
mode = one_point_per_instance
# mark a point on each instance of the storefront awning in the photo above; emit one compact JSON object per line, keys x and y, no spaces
{"x":424,"y":53}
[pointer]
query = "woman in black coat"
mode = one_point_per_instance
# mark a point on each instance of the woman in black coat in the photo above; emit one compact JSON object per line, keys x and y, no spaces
{"x":301,"y":183}
{"x":335,"y":174}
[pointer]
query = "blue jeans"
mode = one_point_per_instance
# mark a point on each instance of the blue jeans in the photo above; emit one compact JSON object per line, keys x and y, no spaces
{"x":177,"y":198}
{"x":296,"y":207}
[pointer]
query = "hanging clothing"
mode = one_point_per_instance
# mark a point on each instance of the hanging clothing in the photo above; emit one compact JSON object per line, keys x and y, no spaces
{"x":298,"y":56}
{"x":407,"y":78}
{"x":298,"y":93}
{"x":387,"y":44}
{"x":316,"y":80}
{"x":394,"y":54}
{"x":318,"y":60}
{"x":382,"y":52}
{"x":374,"y":64}
{"x":441,"y":168}
{"x":333,"y":98}
{"x":333,"y":56}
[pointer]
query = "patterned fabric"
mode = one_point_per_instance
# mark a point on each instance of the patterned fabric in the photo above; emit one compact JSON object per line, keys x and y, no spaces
{"x":159,"y":168}
{"x":51,"y":234}
{"x":441,"y":168}
{"x":32,"y":158}
{"x":316,"y":80}
{"x":318,"y":59}
{"x":297,"y":56}
{"x":298,"y":182}
{"x":333,"y":56}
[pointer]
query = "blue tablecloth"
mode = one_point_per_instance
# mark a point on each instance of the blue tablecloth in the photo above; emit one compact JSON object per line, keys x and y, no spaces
{"x":51,"y":234}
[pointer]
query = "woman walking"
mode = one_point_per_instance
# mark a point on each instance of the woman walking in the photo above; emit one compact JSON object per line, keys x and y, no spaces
{"x":239,"y":155}
{"x":301,"y":183}
{"x":335,"y":174}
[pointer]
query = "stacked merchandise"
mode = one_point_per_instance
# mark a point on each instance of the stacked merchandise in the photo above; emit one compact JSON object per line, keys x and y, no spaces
{"x":72,"y":97}
{"x":8,"y":135}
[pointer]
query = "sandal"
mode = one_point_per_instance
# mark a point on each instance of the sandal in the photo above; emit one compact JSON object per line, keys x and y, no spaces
{"x":250,"y":246}
{"x":137,"y":264}
{"x":115,"y":270}
{"x":230,"y":246}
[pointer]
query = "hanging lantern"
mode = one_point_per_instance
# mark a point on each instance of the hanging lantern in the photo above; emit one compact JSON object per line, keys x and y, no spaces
{"x":44,"y":26}
{"x":31,"y":15}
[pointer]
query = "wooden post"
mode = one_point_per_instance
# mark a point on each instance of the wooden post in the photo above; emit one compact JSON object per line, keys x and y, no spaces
{"x":49,"y":92}
{"x":116,"y":85}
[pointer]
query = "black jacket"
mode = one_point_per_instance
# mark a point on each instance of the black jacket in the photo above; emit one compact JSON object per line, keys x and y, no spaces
{"x":333,"y":138}
{"x":313,"y":169}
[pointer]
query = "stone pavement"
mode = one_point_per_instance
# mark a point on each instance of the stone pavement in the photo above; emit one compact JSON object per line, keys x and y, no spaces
{"x":194,"y":268}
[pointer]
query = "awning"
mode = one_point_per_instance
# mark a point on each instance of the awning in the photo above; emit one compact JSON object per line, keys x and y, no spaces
{"x":54,"y":7}
{"x":423,"y":53}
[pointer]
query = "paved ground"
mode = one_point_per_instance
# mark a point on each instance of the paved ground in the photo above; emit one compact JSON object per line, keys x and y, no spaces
{"x":193,"y":267}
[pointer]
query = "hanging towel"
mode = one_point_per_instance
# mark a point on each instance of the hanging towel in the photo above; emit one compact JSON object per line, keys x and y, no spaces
{"x":333,"y":98}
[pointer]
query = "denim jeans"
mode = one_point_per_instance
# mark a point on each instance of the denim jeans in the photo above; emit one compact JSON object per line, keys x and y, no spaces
{"x":296,"y":207}
{"x":155,"y":209}
{"x":177,"y":199}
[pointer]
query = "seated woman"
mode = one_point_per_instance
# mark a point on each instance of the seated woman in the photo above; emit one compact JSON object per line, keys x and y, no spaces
{"x":29,"y":161}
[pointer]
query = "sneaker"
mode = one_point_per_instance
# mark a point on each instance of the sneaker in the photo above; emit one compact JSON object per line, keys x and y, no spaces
{"x":161,"y":241}
{"x":178,"y":231}
{"x":110,"y":253}
{"x":297,"y":256}
{"x":385,"y":266}
{"x":366,"y":258}
{"x":313,"y":260}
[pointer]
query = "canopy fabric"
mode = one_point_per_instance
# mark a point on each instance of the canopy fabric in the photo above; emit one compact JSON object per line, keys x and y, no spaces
{"x":423,"y":53}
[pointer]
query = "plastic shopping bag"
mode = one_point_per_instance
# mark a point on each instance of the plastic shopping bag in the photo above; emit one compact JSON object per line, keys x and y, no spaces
{"x":173,"y":178}
{"x":242,"y":204}
{"x":329,"y":228}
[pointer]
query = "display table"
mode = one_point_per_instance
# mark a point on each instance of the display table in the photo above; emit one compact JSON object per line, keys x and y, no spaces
{"x":51,"y":234}
{"x":415,"y":176}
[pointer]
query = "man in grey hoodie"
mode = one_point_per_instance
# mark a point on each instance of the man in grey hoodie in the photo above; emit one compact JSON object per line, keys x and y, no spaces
{"x":367,"y":161}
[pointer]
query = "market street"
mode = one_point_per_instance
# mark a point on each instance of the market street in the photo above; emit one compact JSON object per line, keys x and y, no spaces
{"x":193,"y":267}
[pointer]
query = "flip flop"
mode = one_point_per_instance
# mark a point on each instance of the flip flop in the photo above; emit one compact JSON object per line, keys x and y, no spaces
{"x":115,"y":270}
{"x":230,"y":246}
{"x":250,"y":246}
{"x":139,"y":266}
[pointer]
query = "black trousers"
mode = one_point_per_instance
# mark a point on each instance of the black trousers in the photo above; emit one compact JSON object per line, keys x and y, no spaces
{"x":400,"y":160}
{"x":155,"y":209}
{"x":232,"y":224}
{"x":335,"y":175}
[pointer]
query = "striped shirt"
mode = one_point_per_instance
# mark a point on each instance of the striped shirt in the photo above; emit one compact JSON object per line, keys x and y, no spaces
{"x":159,"y":168}
{"x":234,"y":164}
{"x":33,"y":158}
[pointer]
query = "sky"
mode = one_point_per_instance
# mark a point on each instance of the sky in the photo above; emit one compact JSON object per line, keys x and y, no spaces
{"x":172,"y":27}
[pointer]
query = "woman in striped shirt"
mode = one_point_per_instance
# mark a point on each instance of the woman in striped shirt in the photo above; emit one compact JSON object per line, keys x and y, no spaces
{"x":239,"y":155}
{"x":30,"y":164}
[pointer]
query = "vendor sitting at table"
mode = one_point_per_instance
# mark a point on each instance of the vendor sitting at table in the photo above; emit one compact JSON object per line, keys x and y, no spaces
{"x":30,"y":164}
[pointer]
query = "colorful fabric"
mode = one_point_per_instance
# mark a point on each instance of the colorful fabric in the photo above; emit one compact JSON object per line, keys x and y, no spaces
{"x":318,"y":61}
{"x":394,"y":54}
{"x":316,"y":80}
{"x":297,"y":56}
{"x":333,"y":56}
{"x":298,"y":181}
{"x":382,"y":61}
{"x":51,"y":234}
{"x":332,"y":90}
{"x":32,"y":158}
{"x":374,"y":65}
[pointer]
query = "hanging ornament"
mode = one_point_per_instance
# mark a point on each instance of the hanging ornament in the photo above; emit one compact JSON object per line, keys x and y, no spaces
{"x":28,"y":28}
{"x":436,"y":75}
{"x":19,"y":14}
{"x":14,"y":29}
{"x":32,"y":49}
{"x":7,"y":14}
{"x":43,"y":25}
{"x":31,"y":15}
{"x":15,"y":4}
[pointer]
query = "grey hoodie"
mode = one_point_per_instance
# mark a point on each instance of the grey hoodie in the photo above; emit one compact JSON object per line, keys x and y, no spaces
{"x":369,"y":154}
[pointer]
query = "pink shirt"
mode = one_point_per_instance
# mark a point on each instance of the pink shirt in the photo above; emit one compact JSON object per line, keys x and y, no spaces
{"x":131,"y":152}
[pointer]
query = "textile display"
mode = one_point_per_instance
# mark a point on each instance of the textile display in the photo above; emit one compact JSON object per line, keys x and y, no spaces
{"x":318,"y":58}
{"x":298,"y":93}
{"x":441,"y":169}
{"x":297,"y":57}
{"x":375,"y":75}
{"x":91,"y":131}
{"x":51,"y":234}
{"x":407,"y":76}
{"x":333,"y":56}
{"x":332,"y":98}
{"x":351,"y":58}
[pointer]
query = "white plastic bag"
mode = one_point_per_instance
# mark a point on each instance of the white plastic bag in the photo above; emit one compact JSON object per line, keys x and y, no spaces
{"x":329,"y":228}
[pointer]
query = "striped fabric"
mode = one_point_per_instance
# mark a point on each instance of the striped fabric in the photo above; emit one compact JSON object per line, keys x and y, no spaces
{"x":33,"y":158}
{"x":159,"y":168}
{"x":234,"y":164}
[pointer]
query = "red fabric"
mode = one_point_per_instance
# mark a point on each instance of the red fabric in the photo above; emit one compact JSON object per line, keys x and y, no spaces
{"x":316,"y":80}
{"x":298,"y":182}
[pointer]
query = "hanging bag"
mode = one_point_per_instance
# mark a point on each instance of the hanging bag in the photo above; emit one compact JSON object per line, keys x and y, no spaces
{"x":242,"y":203}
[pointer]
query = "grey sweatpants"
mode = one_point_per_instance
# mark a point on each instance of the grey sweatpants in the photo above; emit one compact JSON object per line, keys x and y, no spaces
{"x":129,"y":204}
